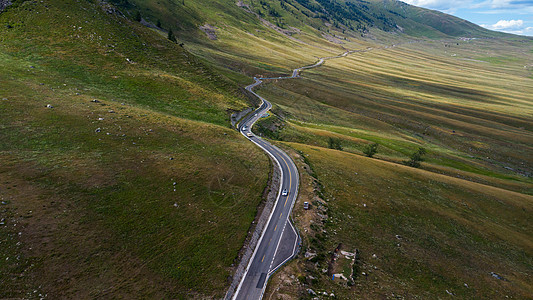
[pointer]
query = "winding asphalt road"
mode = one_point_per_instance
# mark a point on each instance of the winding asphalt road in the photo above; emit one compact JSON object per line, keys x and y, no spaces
{"x":279,"y":240}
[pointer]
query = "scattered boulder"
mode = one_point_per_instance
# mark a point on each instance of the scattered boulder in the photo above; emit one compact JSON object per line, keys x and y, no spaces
{"x":4,"y":4}
{"x":347,"y":254}
{"x":309,"y":254}
{"x":111,"y":111}
{"x":95,"y":101}
{"x":49,"y":106}
{"x":98,"y":130}
{"x":311,"y":292}
{"x":497,"y":276}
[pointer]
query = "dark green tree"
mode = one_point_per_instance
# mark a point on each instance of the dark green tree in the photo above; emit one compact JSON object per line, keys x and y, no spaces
{"x":138,"y":16}
{"x":171,"y":36}
{"x":416,"y":158}
{"x":371,"y":149}
{"x":158,"y":24}
{"x":334,"y":143}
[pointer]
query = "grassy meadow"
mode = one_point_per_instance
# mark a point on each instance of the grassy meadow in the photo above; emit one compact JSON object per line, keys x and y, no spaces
{"x":145,"y":192}
{"x":418,"y":234}
{"x":438,"y":231}
{"x":459,"y":108}
{"x":148,"y":193}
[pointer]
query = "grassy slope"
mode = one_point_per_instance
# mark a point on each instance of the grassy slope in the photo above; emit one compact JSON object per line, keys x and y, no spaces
{"x":453,"y":231}
{"x":435,"y":94}
{"x":375,"y":89}
{"x":418,"y":95}
{"x":96,"y":214}
{"x":246,"y":45}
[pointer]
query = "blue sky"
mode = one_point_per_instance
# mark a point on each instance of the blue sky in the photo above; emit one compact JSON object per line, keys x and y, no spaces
{"x":513,"y":16}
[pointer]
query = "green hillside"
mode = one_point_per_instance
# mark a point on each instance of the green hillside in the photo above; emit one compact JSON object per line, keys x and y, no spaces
{"x":348,"y":16}
{"x":122,"y":177}
{"x":132,"y":185}
{"x":272,"y":37}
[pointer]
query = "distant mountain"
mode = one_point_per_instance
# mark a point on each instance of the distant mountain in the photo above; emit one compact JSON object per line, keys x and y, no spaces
{"x":350,"y":16}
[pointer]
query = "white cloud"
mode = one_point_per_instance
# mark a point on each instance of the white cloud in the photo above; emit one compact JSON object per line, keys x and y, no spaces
{"x":525,"y":31}
{"x":516,"y":6}
{"x":511,"y":26}
{"x":509,"y":3}
{"x":506,"y":25}
{"x":437,"y":4}
{"x":521,"y":11}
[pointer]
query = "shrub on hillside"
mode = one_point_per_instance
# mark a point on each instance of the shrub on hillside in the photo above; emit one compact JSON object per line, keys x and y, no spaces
{"x":371,"y":149}
{"x":334,"y":143}
{"x":416,"y":158}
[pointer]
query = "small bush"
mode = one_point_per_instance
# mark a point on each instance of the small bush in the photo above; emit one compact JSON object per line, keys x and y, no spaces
{"x":416,"y":158}
{"x":171,"y":36}
{"x":334,"y":143}
{"x":371,"y":149}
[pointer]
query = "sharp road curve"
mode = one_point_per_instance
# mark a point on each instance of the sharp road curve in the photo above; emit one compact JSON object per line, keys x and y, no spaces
{"x":279,"y":240}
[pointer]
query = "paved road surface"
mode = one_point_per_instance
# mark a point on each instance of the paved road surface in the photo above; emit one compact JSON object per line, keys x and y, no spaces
{"x":279,"y":241}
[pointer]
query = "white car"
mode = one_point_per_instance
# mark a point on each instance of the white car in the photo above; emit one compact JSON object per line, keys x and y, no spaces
{"x":284,"y":192}
{"x":249,"y":134}
{"x":244,"y":128}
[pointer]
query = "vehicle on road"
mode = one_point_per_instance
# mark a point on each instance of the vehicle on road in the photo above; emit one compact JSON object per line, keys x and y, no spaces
{"x":284,"y":192}
{"x":244,"y":128}
{"x":249,"y":134}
